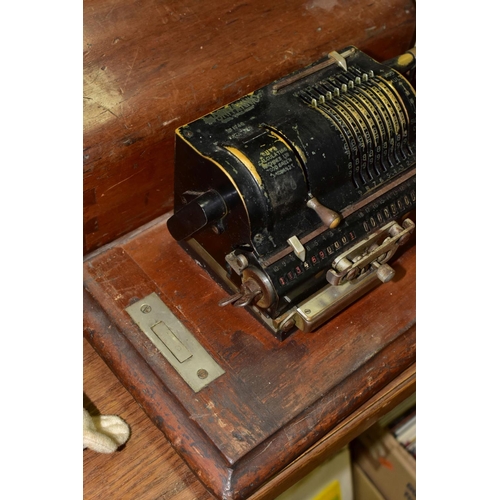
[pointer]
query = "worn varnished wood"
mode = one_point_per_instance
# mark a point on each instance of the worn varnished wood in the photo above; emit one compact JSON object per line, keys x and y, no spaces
{"x":359,"y":421}
{"x":152,"y":65}
{"x":276,"y":400}
{"x":148,"y":468}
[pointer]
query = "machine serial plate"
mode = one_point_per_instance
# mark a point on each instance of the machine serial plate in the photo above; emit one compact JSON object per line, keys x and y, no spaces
{"x":176,"y":343}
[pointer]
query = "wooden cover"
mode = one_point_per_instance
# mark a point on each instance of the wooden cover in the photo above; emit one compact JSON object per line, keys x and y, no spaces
{"x":277,"y":399}
{"x":152,"y":65}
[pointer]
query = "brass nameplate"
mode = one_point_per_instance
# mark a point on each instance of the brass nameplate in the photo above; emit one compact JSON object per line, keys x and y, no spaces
{"x":175,"y":342}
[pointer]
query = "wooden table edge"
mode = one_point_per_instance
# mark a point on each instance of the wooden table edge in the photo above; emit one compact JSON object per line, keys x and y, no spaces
{"x":364,"y":417}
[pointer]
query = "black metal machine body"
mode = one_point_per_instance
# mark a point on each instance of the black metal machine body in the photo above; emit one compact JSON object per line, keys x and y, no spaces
{"x":295,"y":196}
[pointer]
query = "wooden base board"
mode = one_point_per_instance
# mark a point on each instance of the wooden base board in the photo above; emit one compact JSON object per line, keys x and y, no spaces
{"x":277,"y":400}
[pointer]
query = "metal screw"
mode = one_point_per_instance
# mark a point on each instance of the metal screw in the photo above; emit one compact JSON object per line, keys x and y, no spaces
{"x":146,"y":308}
{"x":202,"y":373}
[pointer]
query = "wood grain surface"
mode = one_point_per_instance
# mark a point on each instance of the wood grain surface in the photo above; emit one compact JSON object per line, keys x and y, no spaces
{"x":152,"y":65}
{"x":277,"y":399}
{"x":148,"y":468}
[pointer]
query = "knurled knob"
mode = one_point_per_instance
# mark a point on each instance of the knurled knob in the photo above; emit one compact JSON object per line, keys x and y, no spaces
{"x":385,"y":272}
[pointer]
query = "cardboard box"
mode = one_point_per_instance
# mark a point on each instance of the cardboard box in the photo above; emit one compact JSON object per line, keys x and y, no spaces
{"x":387,"y":464}
{"x":332,"y":480}
{"x":363,"y":488}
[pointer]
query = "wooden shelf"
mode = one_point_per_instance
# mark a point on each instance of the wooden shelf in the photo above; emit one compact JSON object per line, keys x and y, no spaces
{"x":281,"y":408}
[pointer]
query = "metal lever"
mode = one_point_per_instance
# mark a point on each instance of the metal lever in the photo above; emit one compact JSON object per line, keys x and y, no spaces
{"x":230,"y":300}
{"x":249,"y":291}
{"x":329,"y":217}
{"x":353,"y":263}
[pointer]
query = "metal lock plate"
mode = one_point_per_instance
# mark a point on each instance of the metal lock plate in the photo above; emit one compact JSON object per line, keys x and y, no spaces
{"x":175,"y":342}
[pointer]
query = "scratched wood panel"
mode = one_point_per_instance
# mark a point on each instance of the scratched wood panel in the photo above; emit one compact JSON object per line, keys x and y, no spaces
{"x":148,"y":468}
{"x":276,"y":399}
{"x":152,"y":65}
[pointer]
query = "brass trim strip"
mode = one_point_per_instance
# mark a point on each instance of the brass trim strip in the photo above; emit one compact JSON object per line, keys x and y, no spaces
{"x":246,"y":161}
{"x":294,"y":149}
